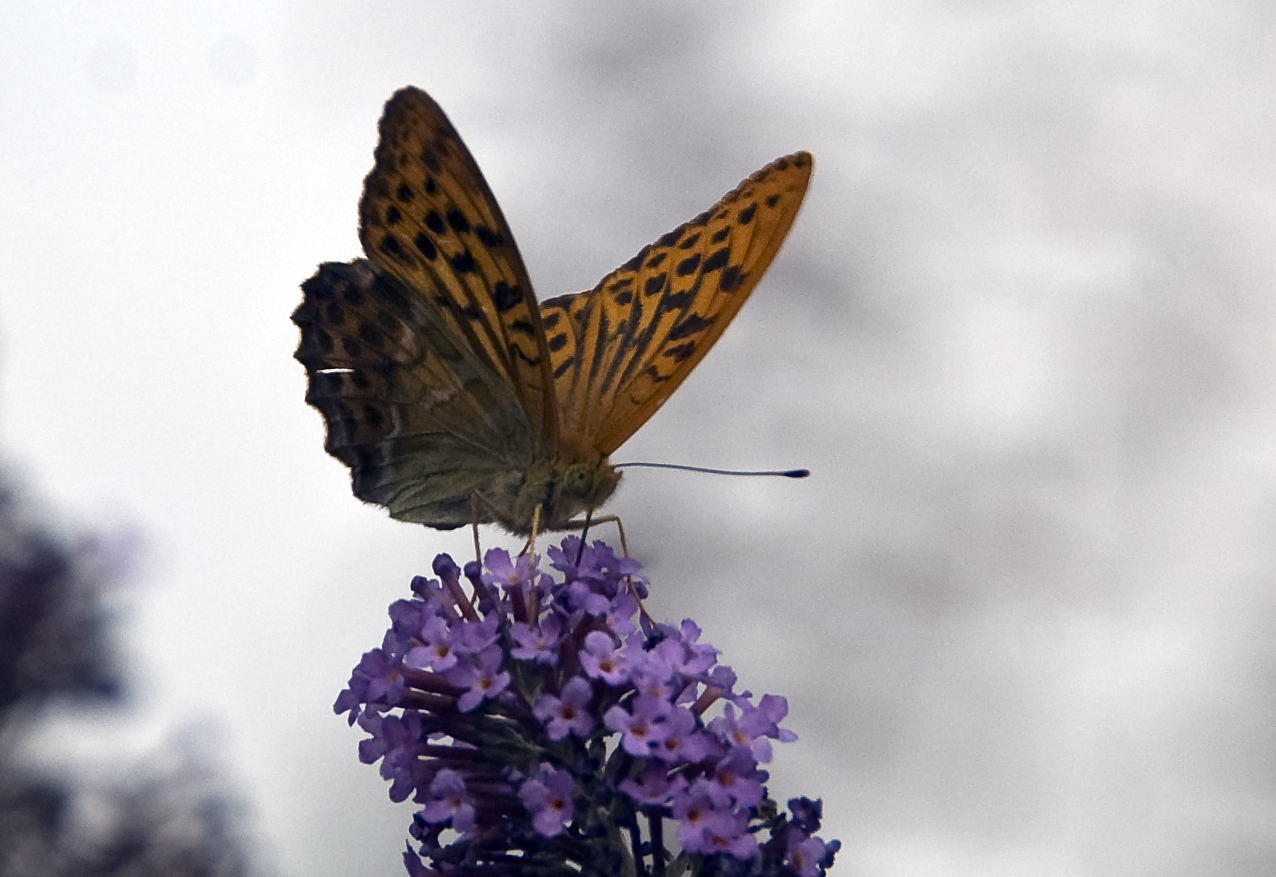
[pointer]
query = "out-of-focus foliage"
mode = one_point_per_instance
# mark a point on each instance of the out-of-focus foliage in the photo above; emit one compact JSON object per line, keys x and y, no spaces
{"x":162,"y":814}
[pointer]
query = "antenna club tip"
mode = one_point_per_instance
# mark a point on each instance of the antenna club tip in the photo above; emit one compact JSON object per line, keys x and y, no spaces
{"x":797,"y":473}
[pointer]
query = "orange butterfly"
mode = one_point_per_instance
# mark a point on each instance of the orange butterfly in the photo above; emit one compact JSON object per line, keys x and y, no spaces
{"x":451,"y":394}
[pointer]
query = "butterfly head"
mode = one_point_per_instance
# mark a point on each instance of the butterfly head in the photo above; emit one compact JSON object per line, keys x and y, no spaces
{"x":564,"y":490}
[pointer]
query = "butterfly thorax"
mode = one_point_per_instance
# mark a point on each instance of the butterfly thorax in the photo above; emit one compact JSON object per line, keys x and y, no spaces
{"x":563,"y":489}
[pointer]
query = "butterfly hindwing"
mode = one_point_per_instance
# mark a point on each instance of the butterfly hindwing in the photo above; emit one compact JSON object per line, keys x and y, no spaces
{"x":619,"y":350}
{"x":419,"y":418}
{"x":429,"y":219}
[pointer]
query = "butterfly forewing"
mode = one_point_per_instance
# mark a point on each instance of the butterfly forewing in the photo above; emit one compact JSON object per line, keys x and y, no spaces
{"x":428,"y":218}
{"x":618,"y":351}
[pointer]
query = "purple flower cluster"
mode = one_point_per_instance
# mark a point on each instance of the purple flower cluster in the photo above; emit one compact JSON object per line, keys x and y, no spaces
{"x":539,"y":727}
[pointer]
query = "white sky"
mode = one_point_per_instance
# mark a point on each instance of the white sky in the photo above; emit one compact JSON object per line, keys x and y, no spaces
{"x":1023,"y":333}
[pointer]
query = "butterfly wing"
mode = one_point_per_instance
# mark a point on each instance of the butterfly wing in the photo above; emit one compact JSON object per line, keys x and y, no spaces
{"x":429,"y":219}
{"x":428,"y":360}
{"x":619,"y":350}
{"x":421,"y":419}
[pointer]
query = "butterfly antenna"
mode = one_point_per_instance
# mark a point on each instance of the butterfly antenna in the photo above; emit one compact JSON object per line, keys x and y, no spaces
{"x":777,"y":473}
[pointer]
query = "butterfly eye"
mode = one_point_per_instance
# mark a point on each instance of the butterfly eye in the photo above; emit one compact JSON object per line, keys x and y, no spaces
{"x":578,"y":480}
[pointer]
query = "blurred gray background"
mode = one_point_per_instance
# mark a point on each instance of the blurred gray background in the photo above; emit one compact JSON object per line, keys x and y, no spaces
{"x":1023,"y":333}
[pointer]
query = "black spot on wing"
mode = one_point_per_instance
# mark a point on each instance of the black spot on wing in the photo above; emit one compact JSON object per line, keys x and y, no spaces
{"x":717,"y":260}
{"x":316,"y":288}
{"x":434,"y":222}
{"x":669,"y":239}
{"x":505,"y":296}
{"x":689,"y":325}
{"x":391,"y":294}
{"x":457,"y":220}
{"x":425,"y":246}
{"x":652,"y":374}
{"x":386,"y":368}
{"x":403,"y":193}
{"x":430,"y":158}
{"x":654,"y":285}
{"x":390,"y":246}
{"x":463,"y":262}
{"x":682,"y":351}
{"x":731,"y":278}
{"x":745,"y":216}
{"x":387,"y":321}
{"x":720,"y":235}
{"x":315,"y":342}
{"x":562,"y":302}
{"x":632,"y":264}
{"x":688,"y":265}
{"x":530,"y":360}
{"x":371,"y":335}
{"x":677,"y":301}
{"x":690,"y":242}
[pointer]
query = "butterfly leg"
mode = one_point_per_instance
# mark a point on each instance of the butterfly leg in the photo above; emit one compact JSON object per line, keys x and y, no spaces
{"x":624,"y":546}
{"x":605,"y":519}
{"x":533,"y":596}
{"x":474,"y":501}
{"x":478,"y":499}
{"x":531,"y":540}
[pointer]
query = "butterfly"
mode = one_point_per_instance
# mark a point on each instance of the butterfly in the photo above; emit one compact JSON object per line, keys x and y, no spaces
{"x":451,"y":393}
